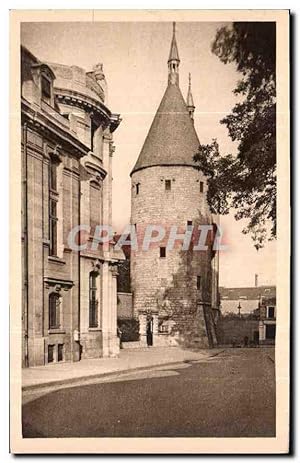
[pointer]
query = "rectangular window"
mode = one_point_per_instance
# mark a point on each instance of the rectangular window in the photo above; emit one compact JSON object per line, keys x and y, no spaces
{"x":198,"y":282}
{"x":167,"y":185}
{"x":50,"y":353}
{"x":162,"y":252}
{"x":271,"y":312}
{"x":189,"y":224}
{"x":137,"y":188}
{"x":95,"y":206}
{"x":54,"y":303}
{"x":53,"y":175}
{"x":46,"y":88}
{"x":93,"y":302}
{"x":60,"y":352}
{"x":93,"y":130}
{"x":270,"y":331}
{"x":201,"y":187}
{"x":53,"y":226}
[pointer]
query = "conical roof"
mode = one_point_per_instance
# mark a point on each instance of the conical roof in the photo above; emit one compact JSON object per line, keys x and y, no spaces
{"x":172,"y":139}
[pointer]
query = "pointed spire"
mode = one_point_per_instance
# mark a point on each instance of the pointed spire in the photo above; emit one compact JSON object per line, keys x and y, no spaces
{"x":173,"y":61}
{"x":190,"y":100}
{"x":174,"y":55}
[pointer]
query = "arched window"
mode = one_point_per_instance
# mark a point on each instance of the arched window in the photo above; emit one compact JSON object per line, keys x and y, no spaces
{"x":93,"y":301}
{"x":54,"y":311}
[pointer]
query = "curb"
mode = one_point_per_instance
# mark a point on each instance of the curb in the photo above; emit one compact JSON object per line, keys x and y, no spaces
{"x":86,"y":378}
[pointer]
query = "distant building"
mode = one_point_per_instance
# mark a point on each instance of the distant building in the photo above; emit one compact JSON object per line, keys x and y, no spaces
{"x":248,"y":312}
{"x":247,"y":298}
{"x":69,"y":297}
{"x":174,"y":291}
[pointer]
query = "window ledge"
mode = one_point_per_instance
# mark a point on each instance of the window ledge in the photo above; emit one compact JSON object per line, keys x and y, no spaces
{"x":56,"y":259}
{"x":94,"y":328}
{"x":56,"y":331}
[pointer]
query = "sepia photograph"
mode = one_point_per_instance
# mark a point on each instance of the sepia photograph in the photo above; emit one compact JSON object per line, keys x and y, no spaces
{"x":151,"y":216}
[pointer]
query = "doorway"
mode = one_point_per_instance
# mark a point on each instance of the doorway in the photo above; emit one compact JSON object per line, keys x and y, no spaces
{"x":149,"y":331}
{"x":270,"y":331}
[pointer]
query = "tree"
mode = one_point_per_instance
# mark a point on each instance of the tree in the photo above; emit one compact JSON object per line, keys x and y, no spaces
{"x":247,"y":181}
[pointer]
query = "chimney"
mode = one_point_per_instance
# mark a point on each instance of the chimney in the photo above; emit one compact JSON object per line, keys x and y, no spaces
{"x":256,"y":280}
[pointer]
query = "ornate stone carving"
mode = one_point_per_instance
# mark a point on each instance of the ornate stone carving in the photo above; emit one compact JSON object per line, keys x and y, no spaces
{"x":98,"y":72}
{"x":114,"y":270}
{"x":96,"y":266}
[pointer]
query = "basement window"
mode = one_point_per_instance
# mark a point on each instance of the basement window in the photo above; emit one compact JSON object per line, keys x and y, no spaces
{"x":168,"y":185}
{"x":60,"y":352}
{"x":162,"y":252}
{"x":50,"y":353}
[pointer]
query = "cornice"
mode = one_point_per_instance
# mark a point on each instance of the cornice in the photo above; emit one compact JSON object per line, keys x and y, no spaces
{"x":95,"y":169}
{"x":40,"y":121}
{"x":85,"y":102}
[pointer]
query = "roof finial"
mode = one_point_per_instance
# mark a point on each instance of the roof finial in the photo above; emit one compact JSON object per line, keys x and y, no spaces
{"x":189,"y":99}
{"x":173,"y":61}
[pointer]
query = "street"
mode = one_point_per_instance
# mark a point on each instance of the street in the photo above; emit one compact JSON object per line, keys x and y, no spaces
{"x":230,"y":395}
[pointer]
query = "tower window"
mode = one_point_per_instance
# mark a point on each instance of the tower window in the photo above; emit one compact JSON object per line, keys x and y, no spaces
{"x":137,"y":188}
{"x":201,"y":187}
{"x":167,"y":185}
{"x":198,"y":282}
{"x":162,"y":252}
{"x":189,"y":224}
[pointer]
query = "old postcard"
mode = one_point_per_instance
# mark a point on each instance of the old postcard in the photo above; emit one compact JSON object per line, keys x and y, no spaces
{"x":150,"y":231}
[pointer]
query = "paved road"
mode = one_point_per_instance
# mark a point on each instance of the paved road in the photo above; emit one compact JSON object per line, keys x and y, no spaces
{"x":230,"y":395}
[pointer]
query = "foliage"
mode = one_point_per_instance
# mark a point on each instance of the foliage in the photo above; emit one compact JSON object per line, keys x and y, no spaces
{"x":129,"y":328}
{"x":247,"y":182}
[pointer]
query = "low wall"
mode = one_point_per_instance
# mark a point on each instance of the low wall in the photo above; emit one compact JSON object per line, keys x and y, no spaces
{"x":235,"y":330}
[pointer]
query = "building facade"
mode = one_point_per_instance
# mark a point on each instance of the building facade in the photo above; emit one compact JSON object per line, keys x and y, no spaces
{"x":69,"y":295}
{"x":174,"y":291}
{"x":244,"y":300}
{"x":267,"y":320}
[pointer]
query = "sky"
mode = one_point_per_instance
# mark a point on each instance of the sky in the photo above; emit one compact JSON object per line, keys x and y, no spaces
{"x":134,"y":57}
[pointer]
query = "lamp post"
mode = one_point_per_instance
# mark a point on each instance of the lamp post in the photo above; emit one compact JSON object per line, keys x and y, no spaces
{"x":239,"y":309}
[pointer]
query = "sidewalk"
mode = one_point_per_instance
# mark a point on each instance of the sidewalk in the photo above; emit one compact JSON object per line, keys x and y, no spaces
{"x":129,"y":360}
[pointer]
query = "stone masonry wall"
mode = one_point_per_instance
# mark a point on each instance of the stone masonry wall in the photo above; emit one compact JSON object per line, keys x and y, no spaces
{"x":169,"y":284}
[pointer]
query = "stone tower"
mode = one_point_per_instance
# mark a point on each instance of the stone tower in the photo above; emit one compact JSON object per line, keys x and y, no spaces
{"x":174,"y":290}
